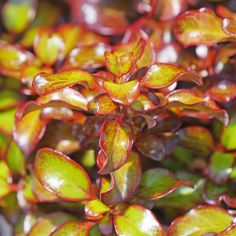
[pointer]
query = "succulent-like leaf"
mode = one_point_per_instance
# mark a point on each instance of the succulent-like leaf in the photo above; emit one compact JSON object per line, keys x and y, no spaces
{"x":231,"y":231}
{"x":228,"y":136}
{"x":62,"y":176}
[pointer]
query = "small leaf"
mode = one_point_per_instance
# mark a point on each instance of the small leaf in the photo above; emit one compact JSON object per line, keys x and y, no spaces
{"x":15,"y":158}
{"x":125,"y":93}
{"x":201,"y":26}
{"x":29,"y":129}
{"x":197,"y":139}
{"x":116,"y":142}
{"x":163,"y":75}
{"x":7,"y":119}
{"x":228,"y":137}
{"x":45,"y":83}
{"x":25,"y":13}
{"x":137,"y":220}
{"x":151,"y":146}
{"x":9,"y":99}
{"x":4,"y":179}
{"x":95,"y":209}
{"x":73,"y":229}
{"x":45,"y":225}
{"x":62,"y":176}
{"x":221,"y":166}
{"x":200,"y":221}
{"x":157,"y":183}
{"x":223,"y":91}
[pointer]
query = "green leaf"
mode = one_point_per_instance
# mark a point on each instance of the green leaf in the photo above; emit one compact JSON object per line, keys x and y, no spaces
{"x":220,"y":166}
{"x":228,"y":137}
{"x":73,"y":229}
{"x":231,"y":231}
{"x":9,"y":99}
{"x":157,"y":183}
{"x":45,"y":83}
{"x":125,"y":93}
{"x":200,"y":26}
{"x":15,"y":158}
{"x":4,"y":179}
{"x":116,"y":142}
{"x":163,"y":75}
{"x":7,"y":119}
{"x":62,"y":176}
{"x":138,"y":221}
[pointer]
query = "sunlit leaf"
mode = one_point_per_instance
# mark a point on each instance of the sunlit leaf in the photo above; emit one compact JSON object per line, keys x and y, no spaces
{"x":201,"y":220}
{"x":163,"y":75}
{"x":231,"y":231}
{"x":157,"y":183}
{"x":7,"y":119}
{"x":228,"y":136}
{"x":125,"y":93}
{"x":62,"y":176}
{"x":45,"y":83}
{"x":201,"y":26}
{"x":137,"y":220}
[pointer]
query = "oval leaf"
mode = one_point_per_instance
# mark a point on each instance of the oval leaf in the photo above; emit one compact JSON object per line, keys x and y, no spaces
{"x":62,"y":176}
{"x":137,"y":220}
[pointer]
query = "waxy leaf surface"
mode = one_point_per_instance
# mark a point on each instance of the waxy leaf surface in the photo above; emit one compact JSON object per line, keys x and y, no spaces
{"x":137,"y":220}
{"x":45,"y":83}
{"x":228,"y":137}
{"x":157,"y":183}
{"x":200,"y":221}
{"x":62,"y":176}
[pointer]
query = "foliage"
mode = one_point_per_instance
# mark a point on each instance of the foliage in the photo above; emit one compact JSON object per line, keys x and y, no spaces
{"x":118,"y":119}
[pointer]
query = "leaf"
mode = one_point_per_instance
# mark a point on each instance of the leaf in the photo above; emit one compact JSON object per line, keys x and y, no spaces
{"x":163,"y":75}
{"x":125,"y":93}
{"x":46,"y":224}
{"x":3,"y":145}
{"x":29,"y":129}
{"x":223,"y":91}
{"x":95,"y":209}
{"x":73,"y":229}
{"x":62,"y":176}
{"x":45,"y":83}
{"x":9,"y":99}
{"x":200,"y":221}
{"x":200,"y":26}
{"x":197,"y":139}
{"x":137,"y":220}
{"x":228,"y":136}
{"x":231,"y":231}
{"x":186,"y":102}
{"x":4,"y":179}
{"x":67,"y":95}
{"x":116,"y":142}
{"x":220,"y":166}
{"x":15,"y":158}
{"x":150,"y":146}
{"x":157,"y":183}
{"x":7,"y":119}
{"x":25,"y":13}
{"x":48,"y":46}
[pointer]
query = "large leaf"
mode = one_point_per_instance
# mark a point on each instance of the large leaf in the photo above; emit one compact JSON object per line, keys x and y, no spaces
{"x":125,"y":93}
{"x":73,"y":229}
{"x":228,"y":137}
{"x":201,"y":26}
{"x":116,"y":142}
{"x":62,"y":176}
{"x":139,"y":221}
{"x":157,"y":183}
{"x":163,"y":75}
{"x":45,"y":83}
{"x":221,"y":166}
{"x":200,"y":221}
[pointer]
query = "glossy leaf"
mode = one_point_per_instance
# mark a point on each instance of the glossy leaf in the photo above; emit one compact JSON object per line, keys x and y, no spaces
{"x":73,"y":229}
{"x":150,"y":146}
{"x":228,"y":136}
{"x":197,"y":139}
{"x":62,"y":176}
{"x":221,"y":166}
{"x":45,"y":83}
{"x":196,"y":222}
{"x":201,"y":26}
{"x":29,"y":129}
{"x":25,"y":13}
{"x":163,"y":75}
{"x":157,"y":183}
{"x":125,"y":93}
{"x":47,"y":224}
{"x":116,"y":142}
{"x":137,"y":220}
